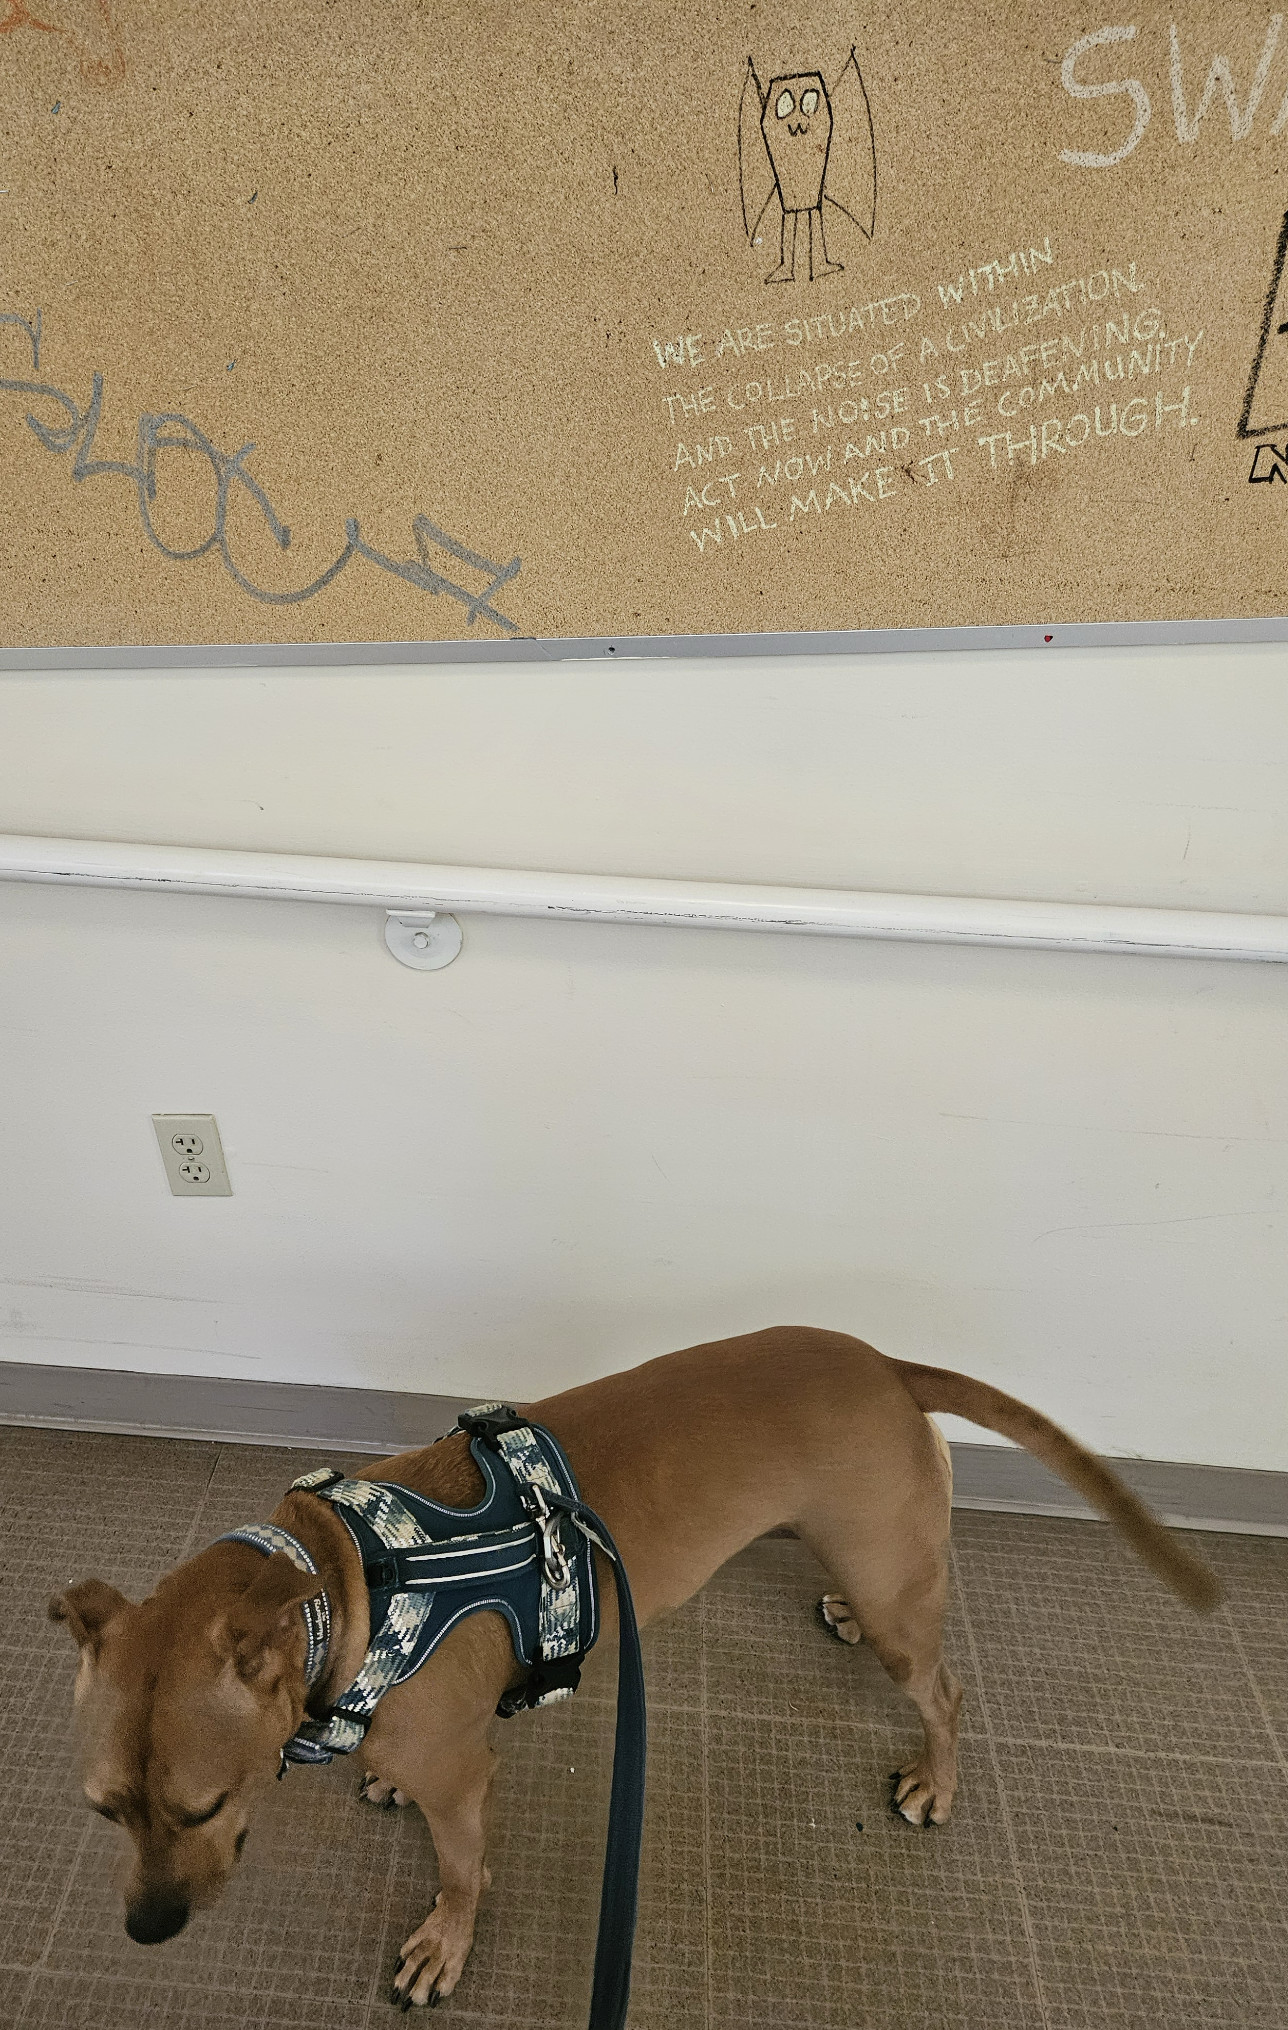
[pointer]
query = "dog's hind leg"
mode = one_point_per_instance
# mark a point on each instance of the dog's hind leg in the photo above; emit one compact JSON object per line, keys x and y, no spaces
{"x":891,"y":1570}
{"x":901,"y":1618}
{"x":924,"y":1788}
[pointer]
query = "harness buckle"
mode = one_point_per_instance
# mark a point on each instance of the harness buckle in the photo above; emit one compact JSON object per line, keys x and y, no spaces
{"x":382,"y":1575}
{"x":544,"y":1685}
{"x":491,"y":1425}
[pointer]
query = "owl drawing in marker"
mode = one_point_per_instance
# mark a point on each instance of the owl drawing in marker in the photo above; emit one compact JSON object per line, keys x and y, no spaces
{"x":801,"y":147}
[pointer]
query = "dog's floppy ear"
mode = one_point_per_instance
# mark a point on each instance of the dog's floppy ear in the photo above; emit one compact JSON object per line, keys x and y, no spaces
{"x":258,"y":1624}
{"x":86,"y":1609}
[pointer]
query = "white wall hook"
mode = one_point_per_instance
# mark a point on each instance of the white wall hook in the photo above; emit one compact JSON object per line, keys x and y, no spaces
{"x":425,"y":938}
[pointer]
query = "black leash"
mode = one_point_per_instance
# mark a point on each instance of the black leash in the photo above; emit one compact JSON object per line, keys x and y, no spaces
{"x":619,"y":1897}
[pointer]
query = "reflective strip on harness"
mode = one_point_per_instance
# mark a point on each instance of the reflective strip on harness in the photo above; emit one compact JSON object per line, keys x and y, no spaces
{"x":560,"y":1605}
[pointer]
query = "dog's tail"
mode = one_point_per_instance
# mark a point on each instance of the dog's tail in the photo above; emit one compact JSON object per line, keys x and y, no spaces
{"x":957,"y":1395}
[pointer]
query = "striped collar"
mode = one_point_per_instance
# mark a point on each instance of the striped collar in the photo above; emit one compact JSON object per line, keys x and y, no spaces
{"x":269,"y":1538}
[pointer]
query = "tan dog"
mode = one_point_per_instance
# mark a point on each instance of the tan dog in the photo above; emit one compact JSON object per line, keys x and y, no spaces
{"x":185,"y":1700}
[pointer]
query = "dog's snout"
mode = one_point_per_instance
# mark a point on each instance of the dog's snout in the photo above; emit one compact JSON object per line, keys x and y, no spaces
{"x":156,"y":1918}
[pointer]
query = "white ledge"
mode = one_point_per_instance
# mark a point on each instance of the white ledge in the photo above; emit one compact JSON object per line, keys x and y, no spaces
{"x":612,"y":898}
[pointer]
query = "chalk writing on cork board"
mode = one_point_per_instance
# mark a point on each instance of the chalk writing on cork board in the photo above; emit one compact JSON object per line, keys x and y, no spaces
{"x":434,"y":321}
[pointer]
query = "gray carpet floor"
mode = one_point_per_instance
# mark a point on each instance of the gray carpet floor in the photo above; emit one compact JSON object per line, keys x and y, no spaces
{"x":1118,"y":1855}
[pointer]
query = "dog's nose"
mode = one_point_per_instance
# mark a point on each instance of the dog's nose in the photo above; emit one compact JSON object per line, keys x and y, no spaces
{"x":158,"y":1918}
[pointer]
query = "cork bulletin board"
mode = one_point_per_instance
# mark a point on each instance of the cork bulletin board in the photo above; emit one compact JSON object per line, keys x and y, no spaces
{"x":420,"y":321}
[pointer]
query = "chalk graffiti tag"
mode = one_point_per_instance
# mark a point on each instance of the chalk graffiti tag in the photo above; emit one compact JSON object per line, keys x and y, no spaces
{"x":170,"y":431}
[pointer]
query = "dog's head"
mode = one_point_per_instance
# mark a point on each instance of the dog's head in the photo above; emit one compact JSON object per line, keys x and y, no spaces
{"x":183,"y":1703}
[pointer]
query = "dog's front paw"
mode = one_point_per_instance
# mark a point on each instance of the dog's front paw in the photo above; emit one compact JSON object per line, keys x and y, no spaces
{"x":838,"y":1615}
{"x":918,"y":1798}
{"x":433,"y":1958}
{"x":372,"y":1791}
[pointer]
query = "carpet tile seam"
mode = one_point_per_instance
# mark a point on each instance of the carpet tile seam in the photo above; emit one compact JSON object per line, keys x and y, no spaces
{"x":1008,"y":1830}
{"x":1267,"y":1718}
{"x":33,"y":1974}
{"x":200,"y":1509}
{"x":1085,"y":1748}
{"x":214,"y":1990}
{"x":391,"y":1868}
{"x":41,"y":1964}
{"x":704,"y":1729}
{"x":814,"y":1717}
{"x":208,"y":1984}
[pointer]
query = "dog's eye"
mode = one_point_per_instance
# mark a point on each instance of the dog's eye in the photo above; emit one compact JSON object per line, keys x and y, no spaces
{"x":203,"y":1818}
{"x":105,"y":1812}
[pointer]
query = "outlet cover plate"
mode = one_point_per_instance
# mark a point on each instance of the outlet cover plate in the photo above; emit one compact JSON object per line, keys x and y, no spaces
{"x":193,"y":1155}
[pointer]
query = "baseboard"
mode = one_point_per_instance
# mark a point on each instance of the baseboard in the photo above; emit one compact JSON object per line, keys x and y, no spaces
{"x":1235,"y":1498}
{"x":226,"y":1411}
{"x":995,"y":1477}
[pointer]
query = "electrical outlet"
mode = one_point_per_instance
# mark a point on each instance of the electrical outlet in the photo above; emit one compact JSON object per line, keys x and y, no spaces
{"x":193,"y":1155}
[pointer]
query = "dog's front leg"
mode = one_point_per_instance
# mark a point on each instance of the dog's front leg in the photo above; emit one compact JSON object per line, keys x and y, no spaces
{"x":452,"y":1791}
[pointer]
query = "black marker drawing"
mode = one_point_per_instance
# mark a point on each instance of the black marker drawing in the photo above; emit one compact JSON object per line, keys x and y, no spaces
{"x":173,"y":432}
{"x":1265,"y":404}
{"x":800,"y":148}
{"x":1269,"y":463}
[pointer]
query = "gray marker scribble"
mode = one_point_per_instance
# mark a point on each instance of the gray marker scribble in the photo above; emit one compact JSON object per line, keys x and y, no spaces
{"x":169,"y":431}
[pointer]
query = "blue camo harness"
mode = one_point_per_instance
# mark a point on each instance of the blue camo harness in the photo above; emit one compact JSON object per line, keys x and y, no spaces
{"x":527,"y":1552}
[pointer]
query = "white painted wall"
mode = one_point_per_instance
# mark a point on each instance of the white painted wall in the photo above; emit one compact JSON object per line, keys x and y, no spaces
{"x":581,"y":1145}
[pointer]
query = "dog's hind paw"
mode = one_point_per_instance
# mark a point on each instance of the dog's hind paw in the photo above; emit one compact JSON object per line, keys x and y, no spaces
{"x":917,"y":1798}
{"x":837,"y":1614}
{"x":372,"y":1791}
